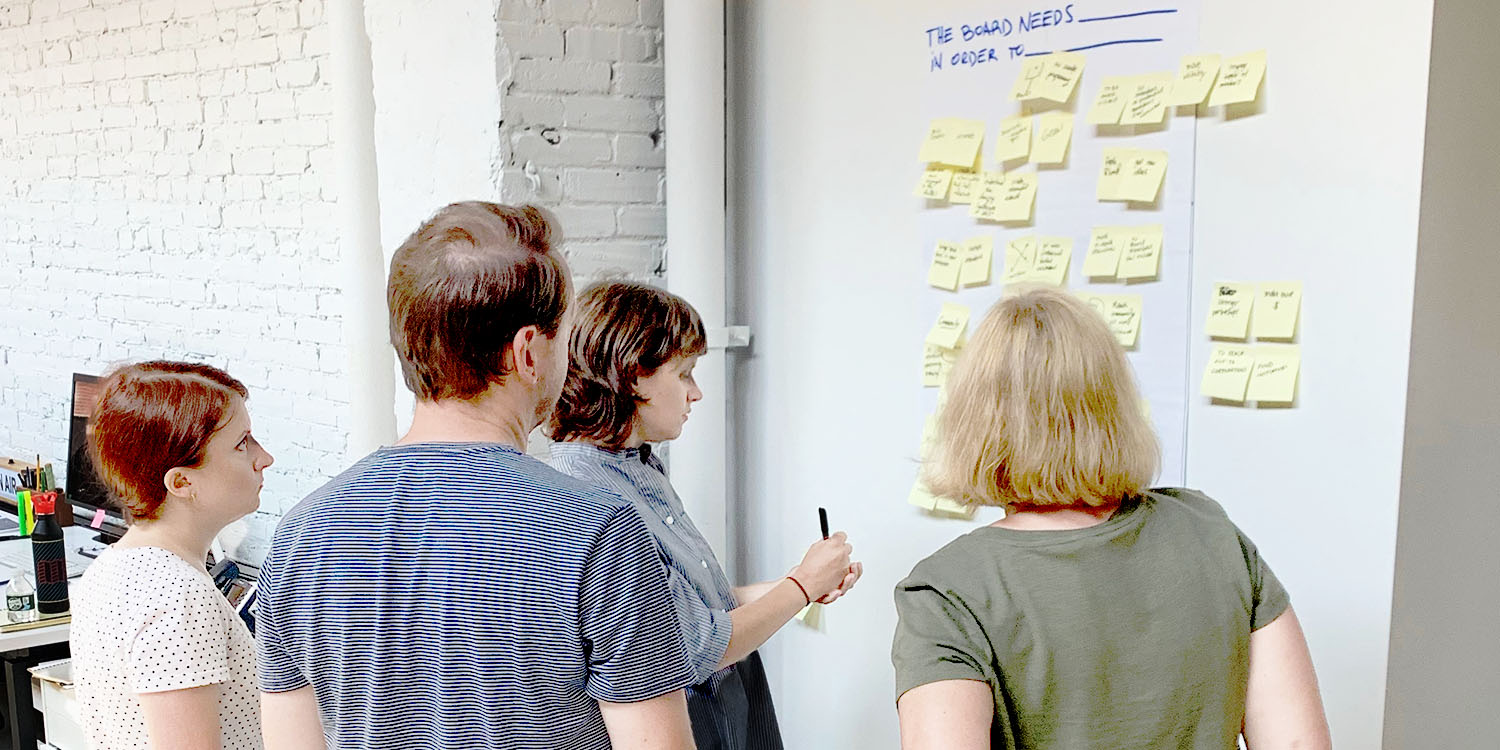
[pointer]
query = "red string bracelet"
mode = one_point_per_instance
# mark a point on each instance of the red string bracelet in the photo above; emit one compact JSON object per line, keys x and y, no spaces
{"x":801,"y":588}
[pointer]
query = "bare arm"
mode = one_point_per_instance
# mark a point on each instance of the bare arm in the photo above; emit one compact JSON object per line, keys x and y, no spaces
{"x":1283,"y":710}
{"x":290,"y":720}
{"x":660,"y":723}
{"x":756,"y":622}
{"x":946,"y":715}
{"x":748,"y":594}
{"x":185,"y":719}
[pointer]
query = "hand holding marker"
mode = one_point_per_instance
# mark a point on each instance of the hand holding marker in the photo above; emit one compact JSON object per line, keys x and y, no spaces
{"x":826,"y":570}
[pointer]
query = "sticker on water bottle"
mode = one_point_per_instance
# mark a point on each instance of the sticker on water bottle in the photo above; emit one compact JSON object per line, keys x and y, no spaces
{"x":20,"y":603}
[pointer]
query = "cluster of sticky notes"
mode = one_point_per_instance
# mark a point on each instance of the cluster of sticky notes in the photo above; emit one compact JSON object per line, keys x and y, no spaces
{"x":922,"y":497}
{"x":1052,"y":77}
{"x":967,"y":263}
{"x":953,"y":142}
{"x":1005,"y":197}
{"x":1268,"y":311}
{"x":1143,"y":99}
{"x":1131,"y":174}
{"x":1053,"y":134}
{"x":1038,"y":259}
{"x":1131,"y":100}
{"x":1238,"y":373}
{"x":1121,"y":311}
{"x":1124,"y":253}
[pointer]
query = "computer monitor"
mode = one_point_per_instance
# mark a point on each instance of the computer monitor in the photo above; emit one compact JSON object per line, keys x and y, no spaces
{"x":86,"y":492}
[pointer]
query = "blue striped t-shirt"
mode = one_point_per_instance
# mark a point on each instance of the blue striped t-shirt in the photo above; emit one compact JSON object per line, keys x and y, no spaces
{"x":465,"y":595}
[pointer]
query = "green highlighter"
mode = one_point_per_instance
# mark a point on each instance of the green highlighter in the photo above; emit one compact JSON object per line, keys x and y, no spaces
{"x":23,"y":511}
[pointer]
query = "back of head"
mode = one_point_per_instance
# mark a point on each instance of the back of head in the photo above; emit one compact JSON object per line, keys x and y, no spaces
{"x":1042,"y":411}
{"x":463,"y":285}
{"x":623,"y":331}
{"x":152,"y":417}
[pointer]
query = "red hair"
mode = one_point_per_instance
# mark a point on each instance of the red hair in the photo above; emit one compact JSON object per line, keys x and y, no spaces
{"x":153,"y":417}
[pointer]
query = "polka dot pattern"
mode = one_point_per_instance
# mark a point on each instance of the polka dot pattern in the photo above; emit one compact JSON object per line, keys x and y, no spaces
{"x":147,"y":621}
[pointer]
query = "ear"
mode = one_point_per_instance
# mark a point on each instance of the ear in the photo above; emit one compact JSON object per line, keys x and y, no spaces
{"x":178,"y":483}
{"x":524,"y":354}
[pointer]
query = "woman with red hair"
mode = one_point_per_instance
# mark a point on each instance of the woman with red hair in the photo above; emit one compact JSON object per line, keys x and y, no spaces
{"x":160,"y":658}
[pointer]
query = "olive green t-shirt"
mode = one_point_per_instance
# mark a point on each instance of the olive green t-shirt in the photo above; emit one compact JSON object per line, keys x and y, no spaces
{"x":1133,"y":633}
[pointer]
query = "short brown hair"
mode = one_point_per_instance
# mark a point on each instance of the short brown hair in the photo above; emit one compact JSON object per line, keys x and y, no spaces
{"x":1042,"y":410}
{"x":463,"y":285}
{"x":624,"y":331}
{"x":153,"y":417}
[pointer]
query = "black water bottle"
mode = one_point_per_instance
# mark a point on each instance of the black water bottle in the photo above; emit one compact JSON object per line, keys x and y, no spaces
{"x":50,"y":556}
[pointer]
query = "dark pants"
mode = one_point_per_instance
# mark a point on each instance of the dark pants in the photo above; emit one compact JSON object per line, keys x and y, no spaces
{"x":733,"y":711}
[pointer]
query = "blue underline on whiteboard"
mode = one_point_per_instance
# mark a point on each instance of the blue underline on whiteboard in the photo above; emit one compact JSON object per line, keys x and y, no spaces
{"x":1129,"y":15}
{"x":1108,"y":44}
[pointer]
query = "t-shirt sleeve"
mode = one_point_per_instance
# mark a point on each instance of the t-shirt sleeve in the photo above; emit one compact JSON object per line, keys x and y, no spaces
{"x":1268,"y":598}
{"x":632,"y":637}
{"x":937,"y":638}
{"x":705,"y":629}
{"x":183,"y":644}
{"x":275,"y":668}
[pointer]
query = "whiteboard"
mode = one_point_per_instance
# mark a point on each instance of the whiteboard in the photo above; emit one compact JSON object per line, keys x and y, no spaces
{"x":971,"y":58}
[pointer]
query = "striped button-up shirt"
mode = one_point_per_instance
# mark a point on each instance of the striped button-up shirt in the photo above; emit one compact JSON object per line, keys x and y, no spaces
{"x":731,"y":707}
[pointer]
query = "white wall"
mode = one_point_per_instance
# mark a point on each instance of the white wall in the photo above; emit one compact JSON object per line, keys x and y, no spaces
{"x":164,"y":192}
{"x":1322,"y":186}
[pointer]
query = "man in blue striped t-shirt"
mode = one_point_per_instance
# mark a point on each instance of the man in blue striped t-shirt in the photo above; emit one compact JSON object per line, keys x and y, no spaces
{"x":450,"y":591}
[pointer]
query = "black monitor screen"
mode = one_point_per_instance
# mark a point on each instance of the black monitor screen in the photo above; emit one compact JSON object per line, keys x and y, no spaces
{"x":84,"y":487}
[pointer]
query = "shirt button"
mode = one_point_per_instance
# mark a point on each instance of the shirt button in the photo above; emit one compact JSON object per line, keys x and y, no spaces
{"x":705,"y":563}
{"x":669,"y":520}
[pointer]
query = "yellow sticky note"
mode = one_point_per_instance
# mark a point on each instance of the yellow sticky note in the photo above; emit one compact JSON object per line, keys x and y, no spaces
{"x":964,"y":187}
{"x":1060,"y":75}
{"x":1274,"y":377}
{"x":812,"y":616}
{"x":950,"y":508}
{"x":952,"y":321}
{"x":1229,"y":310}
{"x":934,"y":184}
{"x":1014,"y":141}
{"x":1142,"y":257}
{"x":947,"y":262}
{"x":920,"y":497}
{"x":1142,"y":176}
{"x":1017,"y":197}
{"x":1052,"y":256}
{"x":1020,"y":259}
{"x":1104,"y":253}
{"x":1146,"y":103}
{"x":1239,"y":79}
{"x":1112,"y":172}
{"x":978,"y":255}
{"x":986,"y":203}
{"x":932,"y":366}
{"x":1195,"y":76}
{"x":1228,"y":372}
{"x":1124,"y":317}
{"x":1027,"y":80}
{"x":1276,"y":308}
{"x":1054,"y":131}
{"x":1109,"y":103}
{"x":953,"y":142}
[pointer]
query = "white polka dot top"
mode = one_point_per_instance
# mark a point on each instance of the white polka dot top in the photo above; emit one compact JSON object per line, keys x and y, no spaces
{"x":146,"y":621}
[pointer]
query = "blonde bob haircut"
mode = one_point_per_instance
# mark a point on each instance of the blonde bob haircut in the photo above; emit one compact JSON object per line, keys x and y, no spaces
{"x":1042,"y":411}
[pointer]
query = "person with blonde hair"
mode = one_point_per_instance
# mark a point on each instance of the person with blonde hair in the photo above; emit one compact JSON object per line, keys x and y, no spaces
{"x":1098,"y":613}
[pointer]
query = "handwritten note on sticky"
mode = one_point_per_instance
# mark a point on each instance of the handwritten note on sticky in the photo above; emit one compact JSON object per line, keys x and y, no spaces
{"x":1103,"y":259}
{"x":1142,"y":256}
{"x":986,"y":203}
{"x":1125,"y":317}
{"x":1020,"y":259}
{"x":1229,"y":310}
{"x":1239,"y":79}
{"x":1109,"y":103}
{"x":952,"y":142}
{"x":1276,"y":308}
{"x":934,"y":184}
{"x":1059,"y":77}
{"x":1014,"y":141}
{"x":1052,"y":256}
{"x":978,"y":257}
{"x":1274,"y":377}
{"x":1017,"y":198}
{"x":951,"y":323}
{"x":1054,"y":131}
{"x":932,"y":366}
{"x":1142,"y":176}
{"x":1028,"y":79}
{"x":1195,"y":76}
{"x":947,"y":262}
{"x":1147,"y":102}
{"x":1112,"y":172}
{"x":1228,"y":372}
{"x":964,"y":187}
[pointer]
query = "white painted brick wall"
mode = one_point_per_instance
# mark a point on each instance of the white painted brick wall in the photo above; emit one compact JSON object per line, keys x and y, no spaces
{"x":165,"y":192}
{"x":582,"y":88}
